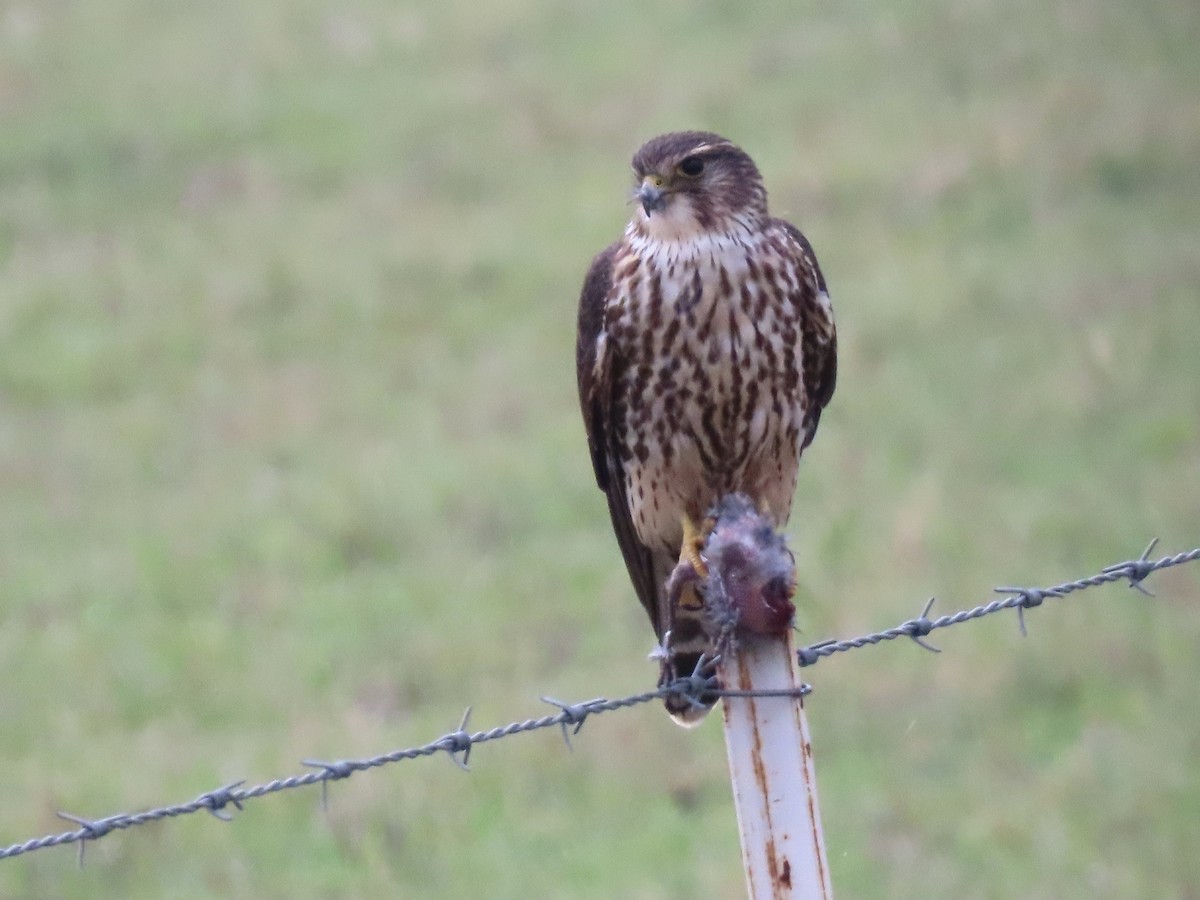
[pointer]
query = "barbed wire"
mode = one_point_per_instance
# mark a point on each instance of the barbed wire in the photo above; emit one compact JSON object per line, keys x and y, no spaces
{"x":1020,"y":599}
{"x":571,"y":717}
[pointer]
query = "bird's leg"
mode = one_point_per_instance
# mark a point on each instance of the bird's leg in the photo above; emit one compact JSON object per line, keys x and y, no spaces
{"x":694,"y":539}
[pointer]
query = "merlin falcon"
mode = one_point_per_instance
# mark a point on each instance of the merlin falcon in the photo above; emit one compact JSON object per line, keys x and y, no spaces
{"x":706,"y":352}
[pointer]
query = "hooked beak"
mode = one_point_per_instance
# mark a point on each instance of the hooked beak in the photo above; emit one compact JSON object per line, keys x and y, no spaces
{"x":651,"y":195}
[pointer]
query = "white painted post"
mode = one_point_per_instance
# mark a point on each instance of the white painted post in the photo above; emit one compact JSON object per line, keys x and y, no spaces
{"x":771,"y":768}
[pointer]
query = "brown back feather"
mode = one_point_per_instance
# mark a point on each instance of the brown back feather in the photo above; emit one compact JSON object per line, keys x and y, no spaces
{"x":595,"y":379}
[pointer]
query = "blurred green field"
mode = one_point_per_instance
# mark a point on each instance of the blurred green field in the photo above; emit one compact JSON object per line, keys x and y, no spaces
{"x":291,"y":464}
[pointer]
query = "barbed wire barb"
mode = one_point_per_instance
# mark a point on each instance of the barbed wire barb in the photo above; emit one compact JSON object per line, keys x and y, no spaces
{"x":460,"y":742}
{"x":570,"y":718}
{"x":574,"y":715}
{"x":91,"y":831}
{"x":216,"y":801}
{"x":1026,"y":598}
{"x":919,"y":627}
{"x":1137,"y":570}
{"x":332,"y":771}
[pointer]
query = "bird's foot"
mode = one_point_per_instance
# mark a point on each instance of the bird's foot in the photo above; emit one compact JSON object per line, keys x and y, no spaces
{"x":694,"y":539}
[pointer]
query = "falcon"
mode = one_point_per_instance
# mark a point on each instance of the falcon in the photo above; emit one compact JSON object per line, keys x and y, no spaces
{"x":706,"y":351}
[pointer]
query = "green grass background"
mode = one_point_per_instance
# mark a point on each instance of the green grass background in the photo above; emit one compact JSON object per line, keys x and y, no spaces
{"x":291,"y":464}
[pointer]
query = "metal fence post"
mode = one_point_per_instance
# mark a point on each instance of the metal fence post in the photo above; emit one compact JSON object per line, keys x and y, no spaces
{"x":771,"y":770}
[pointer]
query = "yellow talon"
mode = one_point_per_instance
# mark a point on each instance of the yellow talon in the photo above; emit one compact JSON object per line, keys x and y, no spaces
{"x":693,"y":542}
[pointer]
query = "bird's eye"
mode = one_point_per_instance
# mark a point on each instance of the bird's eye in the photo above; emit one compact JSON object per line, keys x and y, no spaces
{"x":691,"y":166}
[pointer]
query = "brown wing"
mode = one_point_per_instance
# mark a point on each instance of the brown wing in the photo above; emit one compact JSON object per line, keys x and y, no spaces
{"x":595,"y":364}
{"x":819,"y":336}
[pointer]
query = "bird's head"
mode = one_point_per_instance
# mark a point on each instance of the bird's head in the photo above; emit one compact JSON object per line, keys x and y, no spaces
{"x":752,"y":574}
{"x":695,"y":182}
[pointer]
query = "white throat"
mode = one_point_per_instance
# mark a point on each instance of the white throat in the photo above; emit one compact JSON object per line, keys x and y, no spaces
{"x":673,"y":235}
